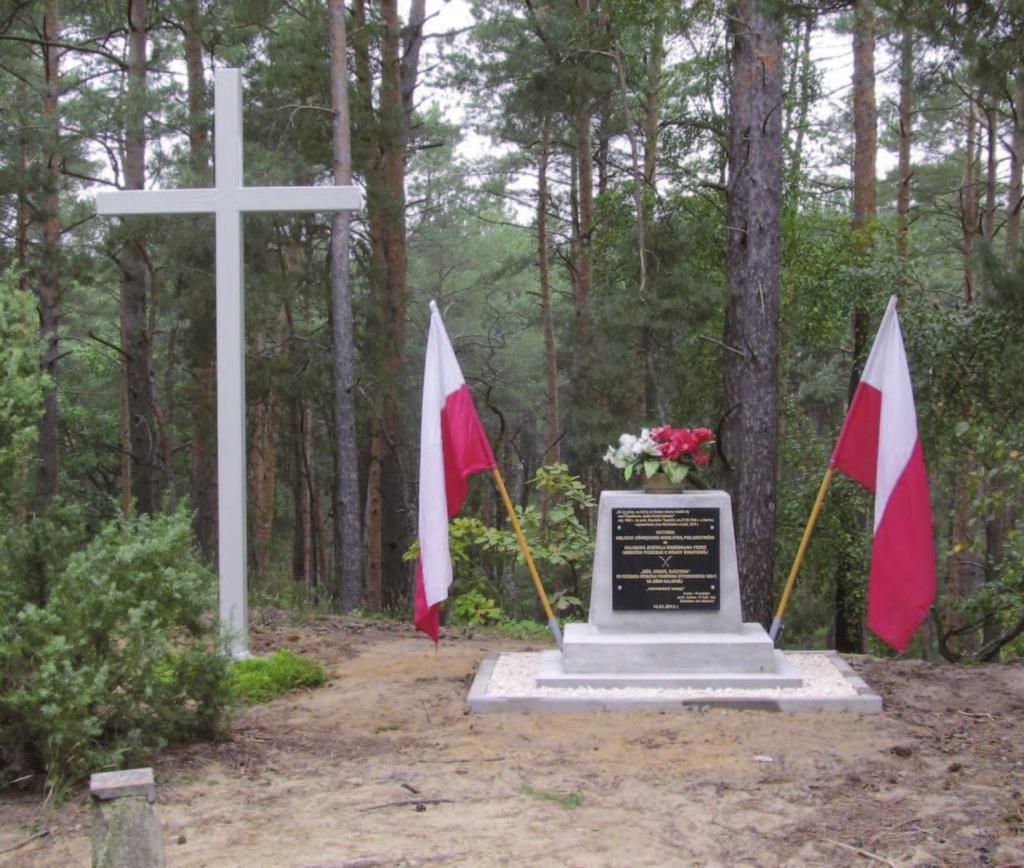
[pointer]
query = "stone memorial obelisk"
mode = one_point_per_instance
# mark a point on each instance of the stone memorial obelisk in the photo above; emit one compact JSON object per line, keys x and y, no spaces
{"x":665,"y":602}
{"x":228,"y":200}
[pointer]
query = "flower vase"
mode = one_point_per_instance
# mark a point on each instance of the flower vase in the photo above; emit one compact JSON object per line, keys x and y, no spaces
{"x":661,"y":484}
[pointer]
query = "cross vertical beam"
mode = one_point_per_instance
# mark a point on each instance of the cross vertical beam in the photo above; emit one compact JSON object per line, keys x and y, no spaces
{"x":232,"y":544}
{"x":228,"y":200}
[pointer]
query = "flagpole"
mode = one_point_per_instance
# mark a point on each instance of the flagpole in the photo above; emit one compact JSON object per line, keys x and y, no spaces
{"x":798,"y":560}
{"x":530,"y":565}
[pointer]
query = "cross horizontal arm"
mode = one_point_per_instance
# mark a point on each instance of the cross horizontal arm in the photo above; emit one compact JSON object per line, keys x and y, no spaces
{"x":202,"y":200}
{"x":300,"y":199}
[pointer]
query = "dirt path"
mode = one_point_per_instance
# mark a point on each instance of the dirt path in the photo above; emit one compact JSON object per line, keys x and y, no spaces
{"x":332,"y":777}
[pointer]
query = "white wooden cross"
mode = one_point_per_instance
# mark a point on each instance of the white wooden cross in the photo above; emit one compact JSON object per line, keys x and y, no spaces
{"x":227,"y":201}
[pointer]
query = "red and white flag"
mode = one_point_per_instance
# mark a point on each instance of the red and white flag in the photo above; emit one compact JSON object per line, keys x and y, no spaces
{"x":879,"y":447}
{"x":453,"y":445}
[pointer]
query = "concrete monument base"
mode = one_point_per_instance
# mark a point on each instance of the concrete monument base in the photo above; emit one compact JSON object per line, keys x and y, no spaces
{"x":665,"y":629}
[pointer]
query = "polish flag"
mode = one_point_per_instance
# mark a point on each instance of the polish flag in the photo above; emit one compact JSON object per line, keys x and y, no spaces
{"x":879,"y":447}
{"x":453,"y":445}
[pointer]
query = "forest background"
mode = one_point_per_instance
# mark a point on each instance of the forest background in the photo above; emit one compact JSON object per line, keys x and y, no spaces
{"x":668,"y":213}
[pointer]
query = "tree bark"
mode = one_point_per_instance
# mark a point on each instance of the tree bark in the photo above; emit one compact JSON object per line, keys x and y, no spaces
{"x":386,"y":214}
{"x":24,"y":209}
{"x":988,"y":222}
{"x":552,"y":430}
{"x":905,"y":138}
{"x":304,"y":568}
{"x":753,"y":258}
{"x":49,"y":288}
{"x":646,"y":197}
{"x":265,"y":425}
{"x":134,"y":330}
{"x":200,"y":340}
{"x":969,"y":201}
{"x":265,"y":419}
{"x":374,"y":541}
{"x":348,"y":530}
{"x":1013,"y":191}
{"x":373,"y":524}
{"x":865,"y":151}
{"x":581,"y":332}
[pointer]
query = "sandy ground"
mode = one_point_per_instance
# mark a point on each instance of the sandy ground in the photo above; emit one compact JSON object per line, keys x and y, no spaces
{"x":385,"y":766}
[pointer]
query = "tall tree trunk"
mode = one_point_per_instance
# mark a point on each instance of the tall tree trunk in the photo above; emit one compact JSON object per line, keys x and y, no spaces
{"x":753,"y":257}
{"x":304,"y":567}
{"x":372,"y":524}
{"x":581,"y":332}
{"x":865,"y":154}
{"x":264,"y":422}
{"x":988,"y":222}
{"x":373,"y":520}
{"x":49,"y":289}
{"x":317,"y":566}
{"x":646,"y":197}
{"x":552,"y":430}
{"x":24,"y":209}
{"x":804,"y":109}
{"x":348,"y":530}
{"x":264,"y":441}
{"x":848,"y":629}
{"x":966,"y":569}
{"x":386,"y":213}
{"x":134,"y":321}
{"x":200,"y":340}
{"x":906,"y":130}
{"x":969,"y":200}
{"x":1014,"y":198}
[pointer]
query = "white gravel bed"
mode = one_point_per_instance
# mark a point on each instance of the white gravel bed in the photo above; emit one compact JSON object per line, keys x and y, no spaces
{"x":515,"y":675}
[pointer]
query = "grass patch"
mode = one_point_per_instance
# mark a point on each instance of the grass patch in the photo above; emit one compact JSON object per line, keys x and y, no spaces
{"x":261,"y":679}
{"x":566,"y":800}
{"x":523,"y":629}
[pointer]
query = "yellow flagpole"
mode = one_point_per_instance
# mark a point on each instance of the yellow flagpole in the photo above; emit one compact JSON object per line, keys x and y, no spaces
{"x":530,"y":565}
{"x":798,"y":560}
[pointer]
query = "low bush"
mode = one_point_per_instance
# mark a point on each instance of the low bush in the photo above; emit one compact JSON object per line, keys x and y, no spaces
{"x":107,"y":652}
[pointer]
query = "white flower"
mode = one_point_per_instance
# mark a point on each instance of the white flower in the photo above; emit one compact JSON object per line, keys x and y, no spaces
{"x":613,"y":457}
{"x":645,"y":445}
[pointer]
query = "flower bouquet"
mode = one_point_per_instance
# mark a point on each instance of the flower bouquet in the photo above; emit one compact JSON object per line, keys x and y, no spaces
{"x":672,"y":451}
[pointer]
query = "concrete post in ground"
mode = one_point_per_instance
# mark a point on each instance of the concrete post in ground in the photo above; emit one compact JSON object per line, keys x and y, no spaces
{"x":125,"y":825}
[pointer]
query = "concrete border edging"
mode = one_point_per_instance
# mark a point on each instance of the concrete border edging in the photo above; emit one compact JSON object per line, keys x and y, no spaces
{"x":480,"y":701}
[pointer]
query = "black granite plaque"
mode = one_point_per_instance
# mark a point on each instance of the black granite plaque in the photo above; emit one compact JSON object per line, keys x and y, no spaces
{"x":665,"y":559}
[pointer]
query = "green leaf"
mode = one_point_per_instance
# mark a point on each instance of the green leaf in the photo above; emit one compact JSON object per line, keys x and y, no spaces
{"x":675,"y":472}
{"x":628,"y":472}
{"x":652,"y":466}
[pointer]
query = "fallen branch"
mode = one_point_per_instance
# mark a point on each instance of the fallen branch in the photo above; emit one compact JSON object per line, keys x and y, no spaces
{"x":11,"y":849}
{"x":405,"y":803}
{"x":976,"y":715}
{"x":485,"y":759}
{"x":867,"y":854}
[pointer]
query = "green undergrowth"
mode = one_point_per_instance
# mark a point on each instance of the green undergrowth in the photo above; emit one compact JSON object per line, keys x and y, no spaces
{"x":523,"y":629}
{"x":261,"y":679}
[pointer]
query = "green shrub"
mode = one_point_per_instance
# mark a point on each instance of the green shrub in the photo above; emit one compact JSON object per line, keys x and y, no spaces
{"x":22,"y":388}
{"x":112,"y":655}
{"x":262,"y":679}
{"x":474,"y":608}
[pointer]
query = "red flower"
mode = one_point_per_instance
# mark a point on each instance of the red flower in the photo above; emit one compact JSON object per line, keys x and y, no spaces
{"x":661,"y":433}
{"x":677,"y":444}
